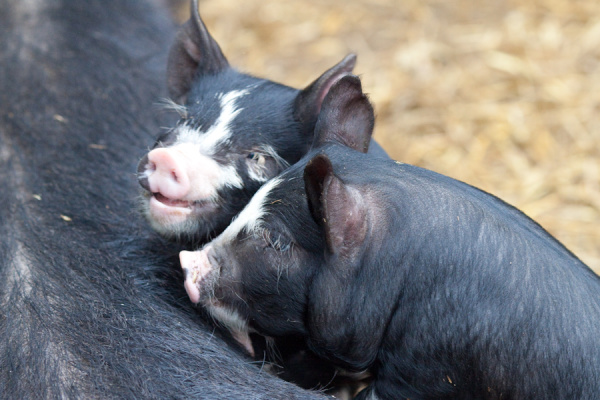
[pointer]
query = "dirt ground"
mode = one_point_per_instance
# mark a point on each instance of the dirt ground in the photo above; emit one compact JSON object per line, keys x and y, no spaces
{"x":504,"y":95}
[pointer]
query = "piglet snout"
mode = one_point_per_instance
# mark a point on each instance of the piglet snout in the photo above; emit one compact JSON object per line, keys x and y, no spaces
{"x":166,"y":173}
{"x":196,"y":266}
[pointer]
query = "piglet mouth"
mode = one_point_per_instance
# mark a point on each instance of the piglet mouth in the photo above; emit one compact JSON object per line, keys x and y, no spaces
{"x":172,"y":202}
{"x":163,"y":205}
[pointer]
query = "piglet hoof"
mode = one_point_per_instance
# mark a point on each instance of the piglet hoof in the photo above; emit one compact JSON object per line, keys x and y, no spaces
{"x":195,"y":266}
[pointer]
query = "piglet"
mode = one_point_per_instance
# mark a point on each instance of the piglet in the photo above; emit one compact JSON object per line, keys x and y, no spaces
{"x":438,"y":289}
{"x":235,"y":133}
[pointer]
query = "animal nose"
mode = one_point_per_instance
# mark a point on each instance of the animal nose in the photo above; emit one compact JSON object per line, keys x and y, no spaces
{"x":196,"y":266}
{"x":164,"y":172}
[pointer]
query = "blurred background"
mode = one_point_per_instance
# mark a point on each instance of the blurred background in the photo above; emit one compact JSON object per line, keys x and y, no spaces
{"x":504,"y":95}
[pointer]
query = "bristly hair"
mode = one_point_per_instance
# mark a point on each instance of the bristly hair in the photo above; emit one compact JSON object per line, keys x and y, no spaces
{"x":169,"y":104}
{"x":280,"y":161}
{"x":260,"y":172}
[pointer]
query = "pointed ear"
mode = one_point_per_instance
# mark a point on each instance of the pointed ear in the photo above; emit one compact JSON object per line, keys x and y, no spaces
{"x":346,"y":116}
{"x":194,"y":51}
{"x":336,"y":206}
{"x":308,"y":102}
{"x":345,"y":299}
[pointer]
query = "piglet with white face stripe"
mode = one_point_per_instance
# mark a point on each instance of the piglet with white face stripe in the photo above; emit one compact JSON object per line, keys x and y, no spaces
{"x":255,"y":276}
{"x":235,"y":133}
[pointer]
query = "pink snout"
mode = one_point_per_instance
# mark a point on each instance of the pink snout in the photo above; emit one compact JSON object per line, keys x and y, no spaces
{"x":196,"y":267}
{"x":168,"y":173}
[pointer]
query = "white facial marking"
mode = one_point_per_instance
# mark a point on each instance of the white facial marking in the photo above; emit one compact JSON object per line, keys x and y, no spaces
{"x":229,"y":177}
{"x":250,"y":218}
{"x":232,"y":320}
{"x":201,"y":147}
{"x":219,"y":132}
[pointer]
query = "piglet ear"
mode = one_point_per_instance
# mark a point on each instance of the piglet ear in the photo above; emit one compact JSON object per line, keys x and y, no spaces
{"x":336,"y":206}
{"x":346,"y":117}
{"x":308,"y":102}
{"x":194,"y":52}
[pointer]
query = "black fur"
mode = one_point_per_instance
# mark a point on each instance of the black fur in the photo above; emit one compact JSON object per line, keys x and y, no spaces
{"x":90,"y":302}
{"x":440,"y":290}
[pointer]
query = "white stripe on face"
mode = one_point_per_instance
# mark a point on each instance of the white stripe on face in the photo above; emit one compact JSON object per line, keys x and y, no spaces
{"x":219,"y":132}
{"x":249,"y":220}
{"x":232,"y":320}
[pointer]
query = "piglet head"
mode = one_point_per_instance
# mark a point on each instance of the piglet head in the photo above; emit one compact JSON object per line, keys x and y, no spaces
{"x":236,"y":132}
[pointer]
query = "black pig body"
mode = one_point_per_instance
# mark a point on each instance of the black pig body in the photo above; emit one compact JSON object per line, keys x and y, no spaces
{"x":439,"y":290}
{"x":236,"y":132}
{"x":90,"y":303}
